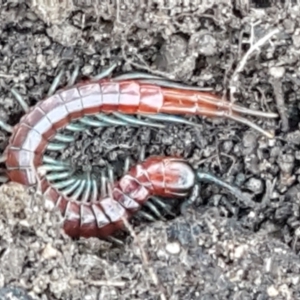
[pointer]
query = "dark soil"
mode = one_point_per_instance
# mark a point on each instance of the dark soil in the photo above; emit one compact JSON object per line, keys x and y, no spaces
{"x":220,"y":249}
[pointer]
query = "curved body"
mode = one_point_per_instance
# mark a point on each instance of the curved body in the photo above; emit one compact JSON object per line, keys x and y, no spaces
{"x":36,"y":128}
{"x":159,"y":176}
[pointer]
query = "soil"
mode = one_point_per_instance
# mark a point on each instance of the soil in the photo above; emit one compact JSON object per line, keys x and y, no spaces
{"x":219,"y":249}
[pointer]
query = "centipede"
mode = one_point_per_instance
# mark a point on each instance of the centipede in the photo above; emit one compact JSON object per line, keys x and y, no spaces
{"x":133,"y":99}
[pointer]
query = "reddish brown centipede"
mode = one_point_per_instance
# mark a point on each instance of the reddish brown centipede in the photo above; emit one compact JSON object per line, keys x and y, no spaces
{"x":121,"y":96}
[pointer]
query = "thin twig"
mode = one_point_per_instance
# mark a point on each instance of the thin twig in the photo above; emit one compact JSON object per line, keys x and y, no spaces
{"x":277,"y":87}
{"x":145,"y":259}
{"x":241,"y":65}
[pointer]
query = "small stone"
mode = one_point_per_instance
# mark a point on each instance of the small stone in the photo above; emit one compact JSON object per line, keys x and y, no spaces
{"x":296,"y":38}
{"x":12,"y":292}
{"x":87,"y":70}
{"x":227,"y":146}
{"x":277,"y":72}
{"x":50,"y":252}
{"x":272,"y":292}
{"x":173,"y":248}
{"x":286,"y":163}
{"x":255,"y":185}
{"x":249,"y":141}
{"x":203,"y":43}
{"x":240,"y":251}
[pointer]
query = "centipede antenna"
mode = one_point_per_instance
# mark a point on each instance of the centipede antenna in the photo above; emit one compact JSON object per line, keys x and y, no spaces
{"x":153,"y":209}
{"x":55,"y":83}
{"x":20,"y":99}
{"x":110,"y":120}
{"x":202,"y":176}
{"x":74,"y":76}
{"x":91,"y":122}
{"x":6,"y":127}
{"x":170,"y":118}
{"x":56,"y":146}
{"x":105,"y":73}
{"x":250,"y":124}
{"x":134,"y":121}
{"x":64,"y":138}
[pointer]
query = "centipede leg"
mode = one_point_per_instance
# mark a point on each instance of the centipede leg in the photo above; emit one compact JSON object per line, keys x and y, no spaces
{"x":55,"y":83}
{"x":134,"y":121}
{"x":74,"y":76}
{"x":64,"y":138}
{"x":20,"y":99}
{"x":6,"y":127}
{"x":4,"y":179}
{"x":109,"y":120}
{"x":160,"y":203}
{"x":3,"y":158}
{"x":171,"y":119}
{"x":105,"y":73}
{"x":56,"y":146}
{"x":146,"y":216}
{"x":172,"y":84}
{"x":154,"y":209}
{"x":68,"y":190}
{"x":91,"y":122}
{"x":76,"y":194}
{"x":115,"y":241}
{"x":142,"y":154}
{"x":127,"y":164}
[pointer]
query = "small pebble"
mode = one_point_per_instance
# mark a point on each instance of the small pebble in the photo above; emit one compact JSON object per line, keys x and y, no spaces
{"x":286,"y":163}
{"x":173,"y":248}
{"x":272,"y":292}
{"x":255,"y":185}
{"x":14,"y":293}
{"x":50,"y":252}
{"x":277,"y":72}
{"x":203,"y":43}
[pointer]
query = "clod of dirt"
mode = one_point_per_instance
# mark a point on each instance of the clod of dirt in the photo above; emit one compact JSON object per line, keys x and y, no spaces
{"x":14,"y":293}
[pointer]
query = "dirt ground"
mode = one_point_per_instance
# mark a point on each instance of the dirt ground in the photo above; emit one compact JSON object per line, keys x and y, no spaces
{"x":221,"y":249}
